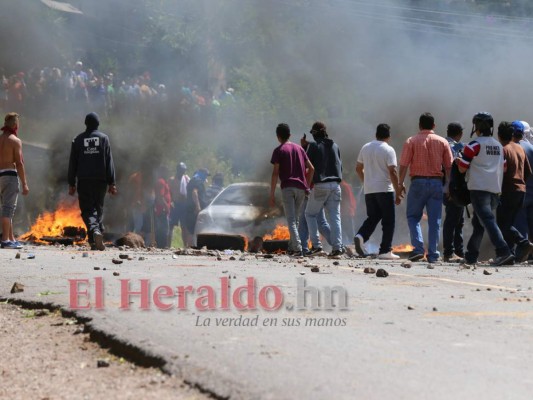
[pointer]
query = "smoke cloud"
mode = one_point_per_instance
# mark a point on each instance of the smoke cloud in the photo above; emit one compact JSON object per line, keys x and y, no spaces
{"x":352,"y":64}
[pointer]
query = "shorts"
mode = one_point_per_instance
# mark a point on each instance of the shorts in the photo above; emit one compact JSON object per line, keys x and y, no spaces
{"x":178,"y":213}
{"x":9,"y":191}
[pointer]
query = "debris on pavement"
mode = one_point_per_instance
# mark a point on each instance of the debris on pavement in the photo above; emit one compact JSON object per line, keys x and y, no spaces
{"x":381,"y":273}
{"x":17,"y":287}
{"x":102,"y":363}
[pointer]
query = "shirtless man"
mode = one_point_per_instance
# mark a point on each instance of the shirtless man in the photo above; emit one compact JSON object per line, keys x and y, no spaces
{"x":11,"y":169}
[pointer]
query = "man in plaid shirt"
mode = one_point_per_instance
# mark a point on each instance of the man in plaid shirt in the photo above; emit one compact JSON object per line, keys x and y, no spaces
{"x":425,"y":155}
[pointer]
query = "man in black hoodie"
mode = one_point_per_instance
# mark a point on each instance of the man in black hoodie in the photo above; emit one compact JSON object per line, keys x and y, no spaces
{"x":325,"y":156}
{"x":91,"y":168}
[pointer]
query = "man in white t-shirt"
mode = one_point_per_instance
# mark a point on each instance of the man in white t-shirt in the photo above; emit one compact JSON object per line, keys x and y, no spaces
{"x":376,"y":167}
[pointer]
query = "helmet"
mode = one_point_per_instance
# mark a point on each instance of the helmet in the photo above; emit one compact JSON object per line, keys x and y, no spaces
{"x":482,"y":121}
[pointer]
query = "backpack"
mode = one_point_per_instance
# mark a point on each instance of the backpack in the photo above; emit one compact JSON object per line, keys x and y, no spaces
{"x":459,"y":193}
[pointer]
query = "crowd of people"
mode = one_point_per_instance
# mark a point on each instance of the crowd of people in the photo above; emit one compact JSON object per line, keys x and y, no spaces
{"x":494,"y":175}
{"x":160,"y":202}
{"x":45,"y":91}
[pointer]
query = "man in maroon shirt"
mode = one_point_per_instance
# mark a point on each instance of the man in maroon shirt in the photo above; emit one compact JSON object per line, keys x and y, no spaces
{"x":290,"y":162}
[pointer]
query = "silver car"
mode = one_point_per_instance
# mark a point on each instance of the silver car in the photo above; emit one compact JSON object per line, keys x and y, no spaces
{"x":241,"y":209}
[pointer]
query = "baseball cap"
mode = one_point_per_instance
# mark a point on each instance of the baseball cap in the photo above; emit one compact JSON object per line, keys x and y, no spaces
{"x":518,"y":128}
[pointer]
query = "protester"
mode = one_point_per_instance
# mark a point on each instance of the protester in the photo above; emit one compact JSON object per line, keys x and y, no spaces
{"x":426,"y":155}
{"x":217,"y":184}
{"x":91,"y":170}
{"x":524,"y":217}
{"x":452,"y":231}
{"x":292,"y":167}
{"x":347,"y":213}
{"x":483,"y":163}
{"x":323,"y":226}
{"x":196,"y":200}
{"x":137,"y":202}
{"x":178,"y":193}
{"x":161,"y":208}
{"x":325,"y":156}
{"x":376,"y":167}
{"x":517,"y":170}
{"x":11,"y":170}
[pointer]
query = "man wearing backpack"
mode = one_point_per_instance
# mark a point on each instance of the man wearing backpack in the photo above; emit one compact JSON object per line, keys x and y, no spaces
{"x":483,"y":163}
{"x":452,"y":231}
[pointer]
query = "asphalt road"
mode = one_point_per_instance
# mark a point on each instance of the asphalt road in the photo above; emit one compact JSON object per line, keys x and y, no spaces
{"x":442,"y":333}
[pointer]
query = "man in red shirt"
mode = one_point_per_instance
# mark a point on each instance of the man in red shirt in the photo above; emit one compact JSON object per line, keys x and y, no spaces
{"x":426,"y":155}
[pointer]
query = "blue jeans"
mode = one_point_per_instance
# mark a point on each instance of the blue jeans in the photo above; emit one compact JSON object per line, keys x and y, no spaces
{"x":293,"y":199}
{"x":484,"y":205}
{"x":303,"y":231}
{"x":425,"y":193}
{"x":524,"y":219}
{"x":327,"y":196}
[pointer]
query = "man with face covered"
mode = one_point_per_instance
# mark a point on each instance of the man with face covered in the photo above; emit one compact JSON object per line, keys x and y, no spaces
{"x":91,"y":172}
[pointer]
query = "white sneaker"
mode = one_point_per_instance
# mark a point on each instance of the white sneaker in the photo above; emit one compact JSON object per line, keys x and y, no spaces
{"x":360,"y":245}
{"x":388,"y":256}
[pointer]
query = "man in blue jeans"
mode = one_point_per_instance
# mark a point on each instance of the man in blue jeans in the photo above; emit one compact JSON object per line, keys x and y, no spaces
{"x":290,"y":162}
{"x":483,"y":163}
{"x":323,"y":226}
{"x":426,"y":155}
{"x":324,"y":154}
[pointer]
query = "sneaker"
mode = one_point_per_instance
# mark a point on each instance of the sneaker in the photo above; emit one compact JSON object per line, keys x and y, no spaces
{"x":454,"y":258}
{"x":523,"y":250}
{"x":415,"y":256}
{"x":503,"y":260}
{"x":360,"y":245}
{"x":99,"y":240}
{"x":336,"y":253}
{"x":8,"y":244}
{"x":388,"y":256}
{"x":18,"y":244}
{"x":315,"y":250}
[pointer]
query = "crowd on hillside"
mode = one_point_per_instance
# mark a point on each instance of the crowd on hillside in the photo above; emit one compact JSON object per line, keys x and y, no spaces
{"x":42,"y":91}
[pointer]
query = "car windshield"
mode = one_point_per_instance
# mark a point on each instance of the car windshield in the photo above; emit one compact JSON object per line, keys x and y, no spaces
{"x":243,"y":196}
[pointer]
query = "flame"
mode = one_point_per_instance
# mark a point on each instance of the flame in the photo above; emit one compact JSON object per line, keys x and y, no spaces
{"x":281,"y":232}
{"x":53,"y":223}
{"x":402,"y":248}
